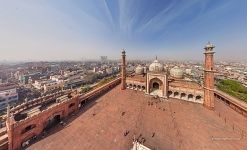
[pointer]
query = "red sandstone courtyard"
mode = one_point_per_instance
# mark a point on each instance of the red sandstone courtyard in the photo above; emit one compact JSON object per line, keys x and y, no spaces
{"x":171,"y":124}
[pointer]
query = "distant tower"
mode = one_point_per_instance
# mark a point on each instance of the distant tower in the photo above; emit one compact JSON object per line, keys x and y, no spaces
{"x":123,"y":69}
{"x":103,"y":59}
{"x":209,"y":76}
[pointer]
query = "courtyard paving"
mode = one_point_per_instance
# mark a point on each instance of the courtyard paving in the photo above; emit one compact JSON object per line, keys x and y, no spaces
{"x":171,"y":124}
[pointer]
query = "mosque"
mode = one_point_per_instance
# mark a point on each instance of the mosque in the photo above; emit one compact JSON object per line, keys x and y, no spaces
{"x":157,"y":81}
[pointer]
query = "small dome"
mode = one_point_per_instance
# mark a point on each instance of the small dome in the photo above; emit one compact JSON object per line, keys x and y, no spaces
{"x":130,"y":69}
{"x":176,"y":72}
{"x":139,"y":70}
{"x":156,"y":66}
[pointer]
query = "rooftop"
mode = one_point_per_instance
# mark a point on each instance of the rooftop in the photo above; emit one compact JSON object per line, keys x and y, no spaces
{"x":7,"y":86}
{"x":36,"y":109}
{"x":171,"y":124}
{"x":138,"y":78}
{"x":185,"y":84}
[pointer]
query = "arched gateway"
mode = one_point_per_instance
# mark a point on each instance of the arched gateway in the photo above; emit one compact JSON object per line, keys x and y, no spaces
{"x":157,"y":83}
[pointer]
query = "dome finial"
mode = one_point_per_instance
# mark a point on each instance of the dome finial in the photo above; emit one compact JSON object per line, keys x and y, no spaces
{"x":123,"y":51}
{"x":209,"y":46}
{"x":156,"y":57}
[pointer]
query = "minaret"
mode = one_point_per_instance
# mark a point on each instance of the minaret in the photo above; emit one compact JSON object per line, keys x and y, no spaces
{"x":123,"y":69}
{"x":209,"y":76}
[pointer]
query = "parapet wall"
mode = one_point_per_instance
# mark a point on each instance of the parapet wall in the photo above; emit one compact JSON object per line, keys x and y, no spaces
{"x":234,"y":103}
{"x":38,"y":101}
{"x":99,"y":90}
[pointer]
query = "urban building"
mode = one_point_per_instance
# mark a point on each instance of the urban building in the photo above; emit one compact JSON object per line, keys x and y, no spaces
{"x":8,"y":95}
{"x":27,"y":78}
{"x":52,"y":85}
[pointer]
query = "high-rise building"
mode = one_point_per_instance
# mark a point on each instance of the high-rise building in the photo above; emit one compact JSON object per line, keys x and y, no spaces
{"x":103,"y":59}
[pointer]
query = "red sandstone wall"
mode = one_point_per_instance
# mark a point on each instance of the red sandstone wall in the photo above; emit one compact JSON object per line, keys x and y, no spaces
{"x":40,"y":120}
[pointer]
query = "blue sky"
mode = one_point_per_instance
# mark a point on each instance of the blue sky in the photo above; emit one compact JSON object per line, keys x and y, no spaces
{"x":75,"y":29}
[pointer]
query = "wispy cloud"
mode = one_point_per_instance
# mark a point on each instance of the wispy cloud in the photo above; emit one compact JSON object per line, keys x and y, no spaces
{"x":93,"y":27}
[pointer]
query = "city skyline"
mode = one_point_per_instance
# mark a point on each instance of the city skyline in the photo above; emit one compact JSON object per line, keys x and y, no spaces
{"x":42,"y":30}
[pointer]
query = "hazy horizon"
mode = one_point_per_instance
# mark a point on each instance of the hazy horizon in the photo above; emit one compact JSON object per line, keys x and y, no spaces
{"x":72,"y":30}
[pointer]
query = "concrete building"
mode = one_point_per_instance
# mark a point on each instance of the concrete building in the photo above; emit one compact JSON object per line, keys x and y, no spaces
{"x":52,"y":85}
{"x":55,"y":82}
{"x":24,"y":79}
{"x":39,"y":84}
{"x":8,"y":95}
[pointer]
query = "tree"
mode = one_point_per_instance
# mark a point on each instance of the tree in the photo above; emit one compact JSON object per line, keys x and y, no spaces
{"x":85,"y":88}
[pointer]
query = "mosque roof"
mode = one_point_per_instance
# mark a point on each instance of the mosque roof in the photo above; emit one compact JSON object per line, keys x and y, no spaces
{"x":138,"y":78}
{"x":185,"y":84}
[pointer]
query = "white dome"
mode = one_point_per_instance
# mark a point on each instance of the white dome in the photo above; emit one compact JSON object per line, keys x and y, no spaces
{"x":156,"y":66}
{"x":130,"y":69}
{"x":176,"y":72}
{"x":139,"y":70}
